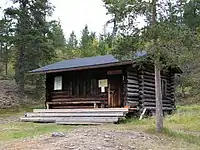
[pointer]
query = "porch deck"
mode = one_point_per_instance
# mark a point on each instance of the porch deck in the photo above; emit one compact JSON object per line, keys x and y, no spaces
{"x":76,"y":116}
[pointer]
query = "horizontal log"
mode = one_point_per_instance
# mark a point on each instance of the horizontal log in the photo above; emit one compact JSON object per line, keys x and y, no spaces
{"x":132,"y":81}
{"x":149,"y":77}
{"x":133,"y":90}
{"x":153,"y":100}
{"x":136,"y":99}
{"x":153,"y":75}
{"x":149,"y":81}
{"x":149,"y":96}
{"x":132,"y":73}
{"x":172,"y":94}
{"x":149,"y":88}
{"x":154,"y":104}
{"x":153,"y":97}
{"x":133,"y":86}
{"x":164,"y":108}
{"x":149,"y":92}
{"x":132,"y":98}
{"x":149,"y":84}
{"x":133,"y":102}
{"x":132,"y":94}
{"x":81,"y":110}
{"x":149,"y":73}
{"x":75,"y":114}
{"x":133,"y":78}
{"x":152,"y":93}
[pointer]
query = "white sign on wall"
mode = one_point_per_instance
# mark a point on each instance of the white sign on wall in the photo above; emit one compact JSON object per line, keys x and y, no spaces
{"x":103,"y":83}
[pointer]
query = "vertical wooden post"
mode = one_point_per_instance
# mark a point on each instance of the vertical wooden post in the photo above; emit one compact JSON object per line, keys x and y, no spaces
{"x":47,"y":105}
{"x":125,"y":82}
{"x":109,"y":93}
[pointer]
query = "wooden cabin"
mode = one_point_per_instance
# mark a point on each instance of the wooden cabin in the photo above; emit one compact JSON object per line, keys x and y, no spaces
{"x":105,"y":82}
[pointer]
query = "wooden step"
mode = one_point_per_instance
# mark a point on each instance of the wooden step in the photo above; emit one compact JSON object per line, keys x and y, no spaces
{"x":70,"y":119}
{"x":75,"y":114}
{"x":80,"y":110}
{"x":79,"y":123}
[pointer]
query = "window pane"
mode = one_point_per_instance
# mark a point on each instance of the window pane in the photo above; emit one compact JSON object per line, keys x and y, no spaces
{"x":58,"y":83}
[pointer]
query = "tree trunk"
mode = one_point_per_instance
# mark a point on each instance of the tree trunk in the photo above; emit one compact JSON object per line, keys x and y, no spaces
{"x":6,"y":60}
{"x":1,"y":51}
{"x":114,"y":32}
{"x":20,"y":70}
{"x":159,"y":111}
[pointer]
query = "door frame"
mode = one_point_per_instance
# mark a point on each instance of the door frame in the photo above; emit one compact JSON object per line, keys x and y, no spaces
{"x":119,"y":82}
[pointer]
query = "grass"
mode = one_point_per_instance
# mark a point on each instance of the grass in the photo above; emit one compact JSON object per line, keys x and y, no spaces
{"x":20,"y":130}
{"x":17,"y":111}
{"x":183,"y":124}
{"x":186,"y":118}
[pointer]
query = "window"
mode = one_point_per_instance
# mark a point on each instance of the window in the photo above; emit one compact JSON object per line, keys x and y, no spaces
{"x":164,"y":88}
{"x":58,"y":83}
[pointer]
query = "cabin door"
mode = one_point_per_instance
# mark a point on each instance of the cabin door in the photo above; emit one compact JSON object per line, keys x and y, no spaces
{"x":114,"y":91}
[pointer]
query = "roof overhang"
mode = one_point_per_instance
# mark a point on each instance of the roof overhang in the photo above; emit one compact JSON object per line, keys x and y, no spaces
{"x":123,"y":63}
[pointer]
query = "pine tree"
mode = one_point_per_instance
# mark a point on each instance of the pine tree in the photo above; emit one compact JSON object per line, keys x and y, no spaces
{"x":86,"y":43}
{"x":57,"y":34}
{"x":32,"y":40}
{"x":72,"y":42}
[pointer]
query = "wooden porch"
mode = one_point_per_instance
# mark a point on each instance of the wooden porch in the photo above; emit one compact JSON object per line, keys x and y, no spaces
{"x":76,"y":116}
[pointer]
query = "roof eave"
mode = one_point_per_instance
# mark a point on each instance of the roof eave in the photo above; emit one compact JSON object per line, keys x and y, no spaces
{"x":83,"y":68}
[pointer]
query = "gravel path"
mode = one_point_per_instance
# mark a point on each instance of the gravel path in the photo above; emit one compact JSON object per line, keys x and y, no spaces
{"x":96,"y":138}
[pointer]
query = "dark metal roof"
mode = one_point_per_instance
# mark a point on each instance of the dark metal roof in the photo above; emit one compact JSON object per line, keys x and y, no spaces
{"x":77,"y":63}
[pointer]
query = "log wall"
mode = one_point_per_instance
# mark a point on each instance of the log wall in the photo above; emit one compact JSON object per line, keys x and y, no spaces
{"x":140,"y":88}
{"x":132,"y":87}
{"x":167,"y":80}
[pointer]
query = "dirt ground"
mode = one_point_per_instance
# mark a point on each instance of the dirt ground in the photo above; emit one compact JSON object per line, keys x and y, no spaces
{"x":96,"y":138}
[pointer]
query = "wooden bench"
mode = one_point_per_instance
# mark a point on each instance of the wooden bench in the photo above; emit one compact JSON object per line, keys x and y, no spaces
{"x":95,"y":103}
